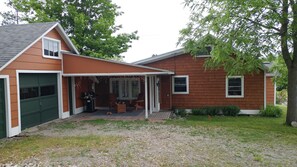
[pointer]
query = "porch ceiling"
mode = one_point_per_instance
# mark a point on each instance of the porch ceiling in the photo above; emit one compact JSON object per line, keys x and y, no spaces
{"x":77,"y":65}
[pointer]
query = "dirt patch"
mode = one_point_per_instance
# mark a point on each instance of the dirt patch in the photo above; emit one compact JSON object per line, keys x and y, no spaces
{"x":155,"y":144}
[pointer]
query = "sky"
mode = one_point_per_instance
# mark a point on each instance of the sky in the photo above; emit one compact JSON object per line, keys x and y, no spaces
{"x":157,"y":21}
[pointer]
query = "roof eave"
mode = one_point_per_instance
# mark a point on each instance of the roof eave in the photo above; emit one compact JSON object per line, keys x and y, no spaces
{"x":161,"y":57}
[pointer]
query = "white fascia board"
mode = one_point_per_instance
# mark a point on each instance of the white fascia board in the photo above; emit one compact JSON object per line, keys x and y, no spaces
{"x":66,"y":38}
{"x":117,"y":74}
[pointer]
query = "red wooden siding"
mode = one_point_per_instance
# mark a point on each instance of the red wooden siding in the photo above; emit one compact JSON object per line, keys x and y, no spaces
{"x":206,"y":87}
{"x":77,"y":65}
{"x":269,"y":90}
{"x":65,"y":94}
{"x":82,"y":84}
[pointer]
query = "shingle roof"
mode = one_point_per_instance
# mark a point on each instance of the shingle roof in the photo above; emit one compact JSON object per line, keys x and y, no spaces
{"x":15,"y":38}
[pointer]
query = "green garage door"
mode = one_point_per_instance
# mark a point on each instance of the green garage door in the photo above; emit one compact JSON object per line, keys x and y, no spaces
{"x":39,"y":99}
{"x":2,"y":110}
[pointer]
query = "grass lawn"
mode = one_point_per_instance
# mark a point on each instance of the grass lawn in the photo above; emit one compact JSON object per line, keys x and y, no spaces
{"x":246,"y":128}
{"x":195,"y":140}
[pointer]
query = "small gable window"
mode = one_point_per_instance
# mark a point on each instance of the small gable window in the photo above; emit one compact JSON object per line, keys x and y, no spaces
{"x":180,"y":84}
{"x":51,"y":48}
{"x":204,"y":52}
{"x":234,"y":86}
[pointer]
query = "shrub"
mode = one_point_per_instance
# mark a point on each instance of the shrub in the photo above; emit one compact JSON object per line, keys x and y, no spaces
{"x":231,"y":110}
{"x":181,"y":112}
{"x":226,"y":110}
{"x":271,"y":111}
{"x":199,"y":111}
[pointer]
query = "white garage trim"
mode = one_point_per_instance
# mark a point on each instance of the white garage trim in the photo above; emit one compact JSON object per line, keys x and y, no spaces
{"x":59,"y":84}
{"x":10,"y":131}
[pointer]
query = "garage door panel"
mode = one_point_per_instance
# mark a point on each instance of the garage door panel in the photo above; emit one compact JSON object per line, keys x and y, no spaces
{"x":2,"y":110}
{"x":48,"y":115}
{"x":30,"y":120}
{"x":43,"y":107}
{"x":47,"y":79}
{"x":28,"y":80}
{"x":30,"y":106}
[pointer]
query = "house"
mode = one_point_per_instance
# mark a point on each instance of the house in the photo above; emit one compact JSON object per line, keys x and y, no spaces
{"x":192,"y":86}
{"x":43,"y":77}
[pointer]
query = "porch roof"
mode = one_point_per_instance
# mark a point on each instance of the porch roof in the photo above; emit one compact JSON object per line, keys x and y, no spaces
{"x":78,"y":65}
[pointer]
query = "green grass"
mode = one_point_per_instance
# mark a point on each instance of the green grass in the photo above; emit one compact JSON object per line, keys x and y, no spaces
{"x":244,"y":128}
{"x":127,"y":124}
{"x":16,"y":150}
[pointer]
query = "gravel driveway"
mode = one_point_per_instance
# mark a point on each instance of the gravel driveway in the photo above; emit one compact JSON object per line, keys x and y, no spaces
{"x":159,"y":144}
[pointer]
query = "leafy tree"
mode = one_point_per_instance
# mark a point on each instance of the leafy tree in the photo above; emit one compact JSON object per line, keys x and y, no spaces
{"x":90,"y":24}
{"x":281,"y":77}
{"x":251,"y":30}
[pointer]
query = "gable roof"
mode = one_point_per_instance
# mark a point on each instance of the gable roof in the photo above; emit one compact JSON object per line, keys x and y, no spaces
{"x":16,"y":39}
{"x":160,"y":57}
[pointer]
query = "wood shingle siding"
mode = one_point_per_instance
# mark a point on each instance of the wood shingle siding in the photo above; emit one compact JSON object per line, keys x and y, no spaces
{"x":270,"y":90}
{"x":207,"y":87}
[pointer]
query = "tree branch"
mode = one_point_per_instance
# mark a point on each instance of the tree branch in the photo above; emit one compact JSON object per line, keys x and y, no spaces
{"x":262,"y":25}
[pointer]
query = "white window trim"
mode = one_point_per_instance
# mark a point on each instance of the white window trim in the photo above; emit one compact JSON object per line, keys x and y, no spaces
{"x":120,"y":88}
{"x":59,"y":48}
{"x":242,"y":87}
{"x":180,"y":76}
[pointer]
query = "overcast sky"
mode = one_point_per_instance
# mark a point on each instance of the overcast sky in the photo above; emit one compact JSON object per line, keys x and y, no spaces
{"x":157,"y":21}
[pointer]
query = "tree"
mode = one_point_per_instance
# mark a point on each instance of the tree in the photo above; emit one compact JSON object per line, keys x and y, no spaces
{"x":251,"y":30}
{"x":90,"y":24}
{"x":281,"y":71}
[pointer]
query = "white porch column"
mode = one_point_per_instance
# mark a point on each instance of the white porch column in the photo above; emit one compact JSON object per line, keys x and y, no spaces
{"x":146,"y":97}
{"x":151,"y":94}
{"x":157,"y":104}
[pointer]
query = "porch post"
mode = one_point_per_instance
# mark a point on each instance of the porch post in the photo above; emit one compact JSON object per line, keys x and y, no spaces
{"x":151,"y":95}
{"x":157,"y":94}
{"x":146,"y":96}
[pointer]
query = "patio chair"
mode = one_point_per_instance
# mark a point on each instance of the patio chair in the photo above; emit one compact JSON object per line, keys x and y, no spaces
{"x":139,"y":103}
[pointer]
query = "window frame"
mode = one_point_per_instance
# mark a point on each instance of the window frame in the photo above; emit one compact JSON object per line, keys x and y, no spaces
{"x":227,"y":87}
{"x":129,"y":86}
{"x":59,"y":48}
{"x":187,"y":84}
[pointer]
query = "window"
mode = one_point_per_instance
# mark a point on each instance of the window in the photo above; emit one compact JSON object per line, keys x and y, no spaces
{"x":204,"y":52}
{"x":180,"y":84}
{"x":47,"y":90}
{"x":234,"y":86}
{"x":125,"y":88}
{"x":51,"y":48}
{"x":27,"y":93}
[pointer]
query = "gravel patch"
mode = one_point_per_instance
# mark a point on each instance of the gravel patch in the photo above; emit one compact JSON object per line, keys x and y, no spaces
{"x":157,"y":144}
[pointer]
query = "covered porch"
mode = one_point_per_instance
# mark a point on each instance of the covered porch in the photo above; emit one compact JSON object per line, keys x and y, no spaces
{"x":102,"y":79}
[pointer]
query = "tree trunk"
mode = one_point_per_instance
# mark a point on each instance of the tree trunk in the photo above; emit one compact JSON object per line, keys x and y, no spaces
{"x":292,"y":95}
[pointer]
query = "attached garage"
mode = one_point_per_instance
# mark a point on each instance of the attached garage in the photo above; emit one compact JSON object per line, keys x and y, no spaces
{"x":2,"y":110}
{"x":38,"y":98}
